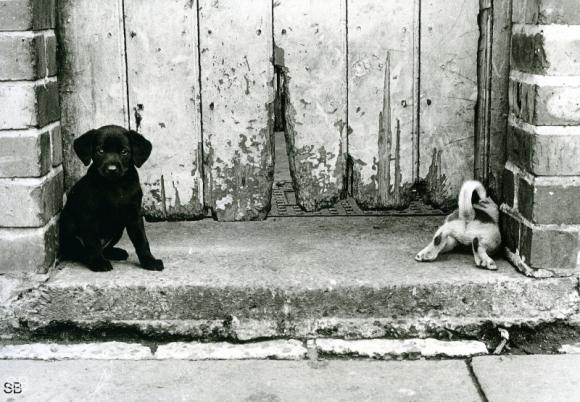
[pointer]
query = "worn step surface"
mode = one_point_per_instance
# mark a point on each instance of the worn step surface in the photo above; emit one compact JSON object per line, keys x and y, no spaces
{"x":293,"y":277}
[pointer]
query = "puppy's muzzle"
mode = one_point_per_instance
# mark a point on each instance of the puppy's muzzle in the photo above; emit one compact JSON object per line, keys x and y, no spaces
{"x":112,"y":170}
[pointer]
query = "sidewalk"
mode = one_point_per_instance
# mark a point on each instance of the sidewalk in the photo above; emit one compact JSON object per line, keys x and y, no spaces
{"x":511,"y":378}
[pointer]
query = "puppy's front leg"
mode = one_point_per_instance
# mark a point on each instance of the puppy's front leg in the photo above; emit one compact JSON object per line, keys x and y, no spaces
{"x":94,"y":258}
{"x":136,"y":231}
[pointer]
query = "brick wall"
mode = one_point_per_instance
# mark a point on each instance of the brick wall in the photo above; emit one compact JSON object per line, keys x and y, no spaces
{"x":541,"y":209}
{"x":30,"y":140}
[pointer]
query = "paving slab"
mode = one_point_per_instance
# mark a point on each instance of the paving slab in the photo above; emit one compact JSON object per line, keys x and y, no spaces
{"x":296,"y":277}
{"x":529,"y":378}
{"x":240,"y":381}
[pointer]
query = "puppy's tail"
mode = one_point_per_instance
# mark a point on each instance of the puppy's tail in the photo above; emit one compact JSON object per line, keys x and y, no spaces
{"x":466,"y":211}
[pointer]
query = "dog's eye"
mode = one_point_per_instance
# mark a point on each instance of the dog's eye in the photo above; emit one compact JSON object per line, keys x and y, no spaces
{"x":100,"y":152}
{"x":124,"y":152}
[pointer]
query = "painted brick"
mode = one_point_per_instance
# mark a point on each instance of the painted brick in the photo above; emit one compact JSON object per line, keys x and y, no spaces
{"x":546,"y":247}
{"x":29,"y":250}
{"x":549,"y":248}
{"x":528,"y":53}
{"x":545,"y":105}
{"x":25,"y":153}
{"x":28,"y":104}
{"x":15,"y":15}
{"x":525,"y":198}
{"x":546,"y":49}
{"x":18,"y":105}
{"x":544,"y":155}
{"x":30,"y":202}
{"x":508,"y":187}
{"x":43,"y":14}
{"x":50,"y":48}
{"x":25,"y":15}
{"x":56,"y":145}
{"x":546,"y":12}
{"x":510,"y":231}
{"x":27,"y":57}
{"x":48,"y":107}
{"x":19,"y":56}
{"x":555,"y":202}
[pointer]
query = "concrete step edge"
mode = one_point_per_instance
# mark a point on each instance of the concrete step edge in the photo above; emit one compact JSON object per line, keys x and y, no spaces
{"x":292,"y":349}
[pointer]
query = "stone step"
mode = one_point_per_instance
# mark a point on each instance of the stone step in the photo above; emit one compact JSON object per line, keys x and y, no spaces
{"x":290,"y":278}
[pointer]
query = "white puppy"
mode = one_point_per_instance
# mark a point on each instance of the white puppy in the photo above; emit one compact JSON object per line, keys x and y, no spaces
{"x":475,"y":223}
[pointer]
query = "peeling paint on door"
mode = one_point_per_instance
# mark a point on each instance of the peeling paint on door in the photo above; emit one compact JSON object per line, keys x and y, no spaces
{"x":237,"y":76}
{"x":449,"y":44}
{"x":381,"y":71}
{"x":163,"y":82}
{"x":91,"y":73}
{"x":312,"y":37}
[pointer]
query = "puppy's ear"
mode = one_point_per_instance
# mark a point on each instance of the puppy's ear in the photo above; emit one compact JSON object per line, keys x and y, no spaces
{"x":83,"y":146}
{"x":141,"y":148}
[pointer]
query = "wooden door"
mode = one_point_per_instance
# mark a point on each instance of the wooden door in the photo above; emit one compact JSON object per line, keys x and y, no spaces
{"x":310,"y":36}
{"x":92,"y":73}
{"x":382,"y":106}
{"x":237,"y":81}
{"x":380,"y":97}
{"x":414,"y":86}
{"x":448,"y":97}
{"x":164,"y":101}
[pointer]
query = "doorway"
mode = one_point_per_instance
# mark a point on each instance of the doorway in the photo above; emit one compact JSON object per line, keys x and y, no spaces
{"x":379,"y":110}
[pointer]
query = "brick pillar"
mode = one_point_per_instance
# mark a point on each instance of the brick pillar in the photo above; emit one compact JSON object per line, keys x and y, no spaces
{"x":30,"y":141}
{"x":541,"y":208}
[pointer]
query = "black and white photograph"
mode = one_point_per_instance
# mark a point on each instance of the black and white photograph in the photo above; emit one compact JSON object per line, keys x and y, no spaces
{"x":290,"y":200}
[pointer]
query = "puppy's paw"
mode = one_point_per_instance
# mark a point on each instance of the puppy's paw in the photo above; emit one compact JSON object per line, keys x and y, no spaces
{"x":426,"y":255}
{"x":152,"y":264}
{"x":100,"y":266}
{"x":487,"y":263}
{"x":115,"y":254}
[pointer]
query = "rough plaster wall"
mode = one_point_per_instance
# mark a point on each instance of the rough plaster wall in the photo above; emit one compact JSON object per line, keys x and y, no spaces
{"x":381,"y":109}
{"x":310,"y":35}
{"x":237,"y":107}
{"x":164,"y":96}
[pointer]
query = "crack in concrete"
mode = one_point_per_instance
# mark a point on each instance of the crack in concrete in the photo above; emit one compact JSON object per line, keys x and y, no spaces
{"x":475,"y":380}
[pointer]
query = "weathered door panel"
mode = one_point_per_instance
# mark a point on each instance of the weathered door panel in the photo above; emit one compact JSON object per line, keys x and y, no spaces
{"x":449,"y":43}
{"x":164,"y":95}
{"x":499,"y":105}
{"x":311,"y":39}
{"x":237,"y":106}
{"x":92,"y":81}
{"x":381,"y":107}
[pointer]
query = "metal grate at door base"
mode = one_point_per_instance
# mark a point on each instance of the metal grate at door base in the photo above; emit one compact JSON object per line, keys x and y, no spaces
{"x":284,"y":205}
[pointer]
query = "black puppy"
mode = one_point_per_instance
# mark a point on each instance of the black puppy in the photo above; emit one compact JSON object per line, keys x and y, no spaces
{"x":106,"y":201}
